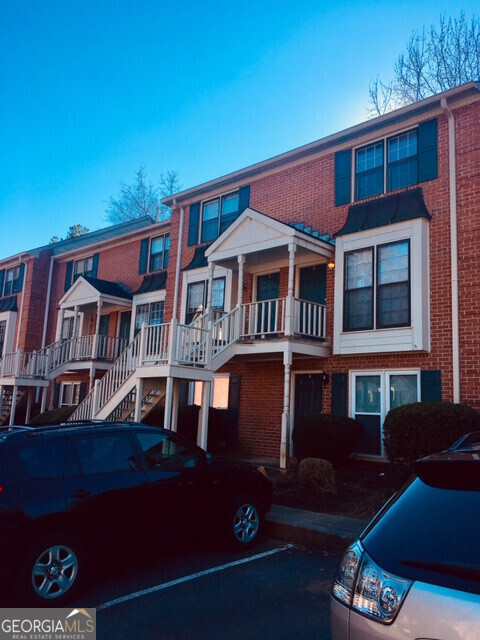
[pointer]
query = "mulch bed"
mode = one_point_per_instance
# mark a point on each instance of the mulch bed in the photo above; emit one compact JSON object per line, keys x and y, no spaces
{"x":360,"y":491}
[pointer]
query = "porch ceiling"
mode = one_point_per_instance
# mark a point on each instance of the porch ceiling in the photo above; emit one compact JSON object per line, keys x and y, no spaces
{"x":261,"y":238}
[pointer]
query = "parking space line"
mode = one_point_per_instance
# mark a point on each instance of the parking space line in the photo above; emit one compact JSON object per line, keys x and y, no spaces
{"x":193,"y":576}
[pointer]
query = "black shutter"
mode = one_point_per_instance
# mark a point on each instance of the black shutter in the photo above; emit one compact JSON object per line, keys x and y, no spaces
{"x":95,"y":265}
{"x":56,"y":395}
{"x":2,"y":279}
{"x":343,"y":168}
{"x":431,"y":386}
{"x":243,"y":198}
{"x":193,"y":224}
{"x":142,"y":264}
{"x":83,"y":391}
{"x":339,"y":394}
{"x":427,"y":151}
{"x":68,"y":275}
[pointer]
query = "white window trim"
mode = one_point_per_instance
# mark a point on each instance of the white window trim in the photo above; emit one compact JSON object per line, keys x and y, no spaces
{"x":71,"y":386}
{"x":385,"y":375}
{"x":201,"y":275}
{"x":416,"y":337}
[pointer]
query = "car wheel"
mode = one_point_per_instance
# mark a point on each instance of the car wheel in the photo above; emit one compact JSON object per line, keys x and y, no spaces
{"x":52,"y":570}
{"x":244,"y":522}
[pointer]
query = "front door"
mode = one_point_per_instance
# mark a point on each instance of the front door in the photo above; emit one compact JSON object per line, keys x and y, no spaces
{"x":313,"y":288}
{"x":268,"y":290}
{"x":103,"y":336}
{"x":308,"y":395}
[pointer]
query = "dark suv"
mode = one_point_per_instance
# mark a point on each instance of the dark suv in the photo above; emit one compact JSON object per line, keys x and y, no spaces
{"x":415,"y":571}
{"x":72,"y":496}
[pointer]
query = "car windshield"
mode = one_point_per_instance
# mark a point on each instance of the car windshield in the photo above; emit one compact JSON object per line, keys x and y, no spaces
{"x":430,"y":534}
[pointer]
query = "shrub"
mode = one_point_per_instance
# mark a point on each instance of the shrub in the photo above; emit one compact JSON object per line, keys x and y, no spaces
{"x":316,"y":474}
{"x":421,"y":428}
{"x":327,"y":436}
{"x":52,"y":416}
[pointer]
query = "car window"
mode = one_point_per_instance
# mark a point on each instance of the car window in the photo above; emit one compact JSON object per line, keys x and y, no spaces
{"x":109,"y":453}
{"x":430,"y":534}
{"x":164,"y":452}
{"x":44,"y":458}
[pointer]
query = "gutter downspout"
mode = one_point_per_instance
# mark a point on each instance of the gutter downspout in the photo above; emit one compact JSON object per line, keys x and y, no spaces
{"x":178,"y":267}
{"x":47,"y":302}
{"x":452,"y":169}
{"x":20,"y":315}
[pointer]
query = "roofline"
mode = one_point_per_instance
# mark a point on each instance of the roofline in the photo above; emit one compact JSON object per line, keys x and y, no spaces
{"x":300,"y":153}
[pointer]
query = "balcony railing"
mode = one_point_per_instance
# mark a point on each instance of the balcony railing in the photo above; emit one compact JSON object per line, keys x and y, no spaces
{"x":23,"y":364}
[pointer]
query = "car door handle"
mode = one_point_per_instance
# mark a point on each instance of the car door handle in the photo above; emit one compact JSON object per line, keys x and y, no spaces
{"x":81,"y":494}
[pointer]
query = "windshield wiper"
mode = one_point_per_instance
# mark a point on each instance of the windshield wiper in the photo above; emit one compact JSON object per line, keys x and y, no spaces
{"x":457,"y":570}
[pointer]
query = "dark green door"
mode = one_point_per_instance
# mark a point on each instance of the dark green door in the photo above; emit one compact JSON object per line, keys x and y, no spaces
{"x":308,"y":395}
{"x":313,"y":288}
{"x":268,"y":288}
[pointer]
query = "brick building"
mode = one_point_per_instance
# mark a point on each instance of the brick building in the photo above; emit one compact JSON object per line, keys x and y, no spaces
{"x":338,"y":277}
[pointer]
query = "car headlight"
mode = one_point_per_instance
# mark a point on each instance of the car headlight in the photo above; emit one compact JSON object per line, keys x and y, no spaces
{"x":365,"y":587}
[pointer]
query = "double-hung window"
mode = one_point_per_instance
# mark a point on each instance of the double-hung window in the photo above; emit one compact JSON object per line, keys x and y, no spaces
{"x":377,"y":287}
{"x":13,"y":280}
{"x":218,"y":214}
{"x":149,"y":314}
{"x":374,"y":176}
{"x":197,"y":298}
{"x":159,"y":251}
{"x":83,"y":267}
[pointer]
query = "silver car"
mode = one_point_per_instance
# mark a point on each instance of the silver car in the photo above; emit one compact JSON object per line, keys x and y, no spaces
{"x":414,"y":573}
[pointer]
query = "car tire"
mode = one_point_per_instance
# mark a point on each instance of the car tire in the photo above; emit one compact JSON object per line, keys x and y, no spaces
{"x":244,"y":522}
{"x":52,"y":570}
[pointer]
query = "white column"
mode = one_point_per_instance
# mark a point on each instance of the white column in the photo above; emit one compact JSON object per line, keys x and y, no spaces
{"x":138,"y":399}
{"x":285,"y":439}
{"x":202,"y":437}
{"x":167,"y":418}
{"x":290,"y":302}
{"x":241,"y":265}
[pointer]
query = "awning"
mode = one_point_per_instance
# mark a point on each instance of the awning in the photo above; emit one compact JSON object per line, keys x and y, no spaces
{"x":381,"y":212}
{"x":153,"y":282}
{"x":8,"y":304}
{"x":199,"y":259}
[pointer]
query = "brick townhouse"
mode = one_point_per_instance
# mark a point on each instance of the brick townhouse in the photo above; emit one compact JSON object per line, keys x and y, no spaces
{"x":337,"y":277}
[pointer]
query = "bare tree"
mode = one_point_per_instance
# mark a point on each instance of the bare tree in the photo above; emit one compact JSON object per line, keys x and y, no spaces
{"x":142,"y":198}
{"x":435,"y":60}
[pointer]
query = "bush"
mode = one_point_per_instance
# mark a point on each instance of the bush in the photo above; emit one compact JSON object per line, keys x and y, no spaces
{"x":316,"y":474}
{"x":421,"y":428}
{"x":53,"y":416}
{"x":327,"y":436}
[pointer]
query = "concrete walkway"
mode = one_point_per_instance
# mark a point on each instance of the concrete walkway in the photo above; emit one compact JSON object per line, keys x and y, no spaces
{"x":323,"y":531}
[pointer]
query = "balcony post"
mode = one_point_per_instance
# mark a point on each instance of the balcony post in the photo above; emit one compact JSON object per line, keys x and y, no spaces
{"x":290,"y":301}
{"x":285,"y":438}
{"x":172,"y":343}
{"x":239,"y":319}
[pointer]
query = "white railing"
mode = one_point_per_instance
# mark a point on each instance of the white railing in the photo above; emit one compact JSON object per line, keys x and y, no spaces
{"x":23,"y":364}
{"x":263,"y":318}
{"x":110,"y":383}
{"x":155,"y":344}
{"x":225,"y":331}
{"x":310,"y":319}
{"x":193,"y":345}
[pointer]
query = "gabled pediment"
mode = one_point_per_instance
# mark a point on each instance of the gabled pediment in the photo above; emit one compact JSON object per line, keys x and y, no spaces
{"x":85,"y":291}
{"x":254,"y":232}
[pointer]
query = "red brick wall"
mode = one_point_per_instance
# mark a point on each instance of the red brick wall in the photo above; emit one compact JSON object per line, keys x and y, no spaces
{"x":305,"y":193}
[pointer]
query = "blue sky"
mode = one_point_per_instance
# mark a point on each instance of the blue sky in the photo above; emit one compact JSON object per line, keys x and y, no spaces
{"x":91,"y":90}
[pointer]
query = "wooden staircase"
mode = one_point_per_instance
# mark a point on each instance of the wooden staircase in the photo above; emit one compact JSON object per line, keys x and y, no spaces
{"x":7,"y":401}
